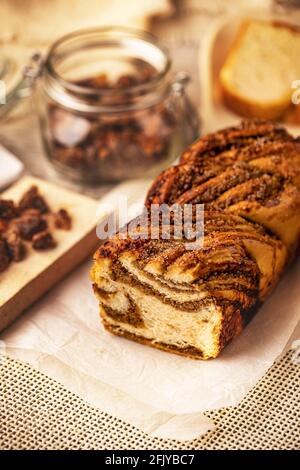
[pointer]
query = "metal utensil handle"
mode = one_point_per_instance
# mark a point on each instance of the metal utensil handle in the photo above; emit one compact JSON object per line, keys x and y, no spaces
{"x":25,"y":86}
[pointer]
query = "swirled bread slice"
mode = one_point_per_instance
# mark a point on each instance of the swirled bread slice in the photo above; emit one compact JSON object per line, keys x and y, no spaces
{"x":194,"y":302}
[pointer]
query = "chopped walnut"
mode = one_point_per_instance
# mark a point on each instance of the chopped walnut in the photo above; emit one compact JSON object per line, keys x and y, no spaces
{"x":29,"y":224}
{"x":8,"y":209}
{"x":31,"y":212}
{"x":4,"y":256}
{"x":32,"y":199}
{"x":43,"y":241}
{"x":15,"y":246}
{"x":3,"y":226}
{"x":62,"y":220}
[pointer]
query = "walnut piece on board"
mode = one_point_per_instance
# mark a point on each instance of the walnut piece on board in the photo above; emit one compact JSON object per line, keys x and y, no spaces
{"x":23,"y":283}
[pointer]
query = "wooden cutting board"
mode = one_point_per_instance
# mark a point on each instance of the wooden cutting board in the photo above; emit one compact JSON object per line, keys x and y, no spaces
{"x":24,"y":282}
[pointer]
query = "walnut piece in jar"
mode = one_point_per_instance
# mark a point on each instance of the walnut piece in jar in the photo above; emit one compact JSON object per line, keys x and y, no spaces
{"x":118,"y":145}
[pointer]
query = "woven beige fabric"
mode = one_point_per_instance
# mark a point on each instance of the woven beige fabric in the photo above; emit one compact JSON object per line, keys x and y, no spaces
{"x":38,"y":413}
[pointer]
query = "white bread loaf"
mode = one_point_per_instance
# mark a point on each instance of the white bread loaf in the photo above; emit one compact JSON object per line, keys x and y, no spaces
{"x":257,"y":75}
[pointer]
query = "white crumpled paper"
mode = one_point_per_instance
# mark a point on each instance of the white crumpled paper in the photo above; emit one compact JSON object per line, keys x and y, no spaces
{"x":10,"y":168}
{"x":161,"y":393}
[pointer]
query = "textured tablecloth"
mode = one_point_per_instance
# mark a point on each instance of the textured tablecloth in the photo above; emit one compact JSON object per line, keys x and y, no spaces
{"x":38,"y":413}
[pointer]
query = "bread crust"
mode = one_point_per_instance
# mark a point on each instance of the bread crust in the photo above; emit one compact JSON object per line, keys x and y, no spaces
{"x":248,"y":178}
{"x":251,"y":109}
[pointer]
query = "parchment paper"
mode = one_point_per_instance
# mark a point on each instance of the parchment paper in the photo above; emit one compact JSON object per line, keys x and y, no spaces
{"x":10,"y":168}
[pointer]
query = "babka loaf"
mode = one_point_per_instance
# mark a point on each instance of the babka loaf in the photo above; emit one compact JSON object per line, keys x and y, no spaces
{"x":193,"y":302}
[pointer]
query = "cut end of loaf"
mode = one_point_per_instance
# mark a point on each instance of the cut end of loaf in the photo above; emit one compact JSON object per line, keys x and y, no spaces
{"x":128,"y":309}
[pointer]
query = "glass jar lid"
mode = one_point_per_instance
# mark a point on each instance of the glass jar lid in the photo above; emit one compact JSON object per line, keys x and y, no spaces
{"x":110,"y":53}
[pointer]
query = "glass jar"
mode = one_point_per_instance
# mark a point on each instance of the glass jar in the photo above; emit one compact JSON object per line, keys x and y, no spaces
{"x":109,"y":108}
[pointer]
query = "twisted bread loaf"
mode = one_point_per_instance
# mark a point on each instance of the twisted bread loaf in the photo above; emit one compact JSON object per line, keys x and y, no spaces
{"x":193,"y":302}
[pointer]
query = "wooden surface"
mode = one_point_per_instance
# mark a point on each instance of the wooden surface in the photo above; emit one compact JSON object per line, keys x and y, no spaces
{"x":24,"y":282}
